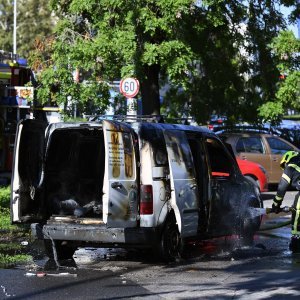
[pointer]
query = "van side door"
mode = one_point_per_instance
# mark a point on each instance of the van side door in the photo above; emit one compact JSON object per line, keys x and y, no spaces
{"x":225,"y":190}
{"x":184,"y":190}
{"x":120,"y":189}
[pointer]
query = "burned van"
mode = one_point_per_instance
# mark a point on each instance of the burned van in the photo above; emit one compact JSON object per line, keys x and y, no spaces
{"x":114,"y":184}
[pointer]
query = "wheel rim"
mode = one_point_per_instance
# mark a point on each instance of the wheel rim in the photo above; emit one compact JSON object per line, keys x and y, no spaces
{"x":174,"y":241}
{"x":171,"y":241}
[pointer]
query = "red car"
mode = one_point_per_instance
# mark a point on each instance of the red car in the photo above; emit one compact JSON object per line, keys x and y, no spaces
{"x":255,"y":173}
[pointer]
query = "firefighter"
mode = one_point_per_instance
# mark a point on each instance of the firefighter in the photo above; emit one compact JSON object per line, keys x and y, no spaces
{"x":290,"y":163}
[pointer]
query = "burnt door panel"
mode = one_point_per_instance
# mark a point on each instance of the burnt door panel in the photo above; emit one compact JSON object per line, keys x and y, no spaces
{"x":184,"y":194}
{"x":224,"y":207}
{"x":201,"y":172}
{"x":120,"y":179}
{"x":27,"y":170}
{"x":225,"y":190}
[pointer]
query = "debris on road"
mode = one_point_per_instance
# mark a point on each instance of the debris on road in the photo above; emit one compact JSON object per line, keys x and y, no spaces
{"x":43,"y":274}
{"x":5,"y":291}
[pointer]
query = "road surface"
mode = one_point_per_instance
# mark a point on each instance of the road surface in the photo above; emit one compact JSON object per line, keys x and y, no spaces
{"x":217,"y":269}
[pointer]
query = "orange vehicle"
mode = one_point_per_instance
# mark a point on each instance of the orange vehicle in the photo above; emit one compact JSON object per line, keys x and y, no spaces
{"x":263,"y":148}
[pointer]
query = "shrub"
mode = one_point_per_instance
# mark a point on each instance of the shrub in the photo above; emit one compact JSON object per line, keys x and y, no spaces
{"x":4,"y":196}
{"x":4,"y":218}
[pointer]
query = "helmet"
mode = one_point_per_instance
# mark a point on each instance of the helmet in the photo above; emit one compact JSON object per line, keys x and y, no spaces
{"x":287,"y":157}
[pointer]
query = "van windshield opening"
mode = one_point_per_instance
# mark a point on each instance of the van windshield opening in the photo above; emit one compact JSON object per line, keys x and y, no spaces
{"x":219,"y":160}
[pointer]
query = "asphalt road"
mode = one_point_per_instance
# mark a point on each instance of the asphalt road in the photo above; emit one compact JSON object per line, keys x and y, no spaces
{"x":217,"y":269}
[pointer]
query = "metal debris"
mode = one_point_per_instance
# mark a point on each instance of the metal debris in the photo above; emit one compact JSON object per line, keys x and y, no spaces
{"x":43,"y":274}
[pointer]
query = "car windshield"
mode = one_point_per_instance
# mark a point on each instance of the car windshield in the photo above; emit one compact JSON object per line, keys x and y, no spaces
{"x":278,"y":146}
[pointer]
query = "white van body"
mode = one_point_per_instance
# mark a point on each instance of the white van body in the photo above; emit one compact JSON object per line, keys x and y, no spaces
{"x":115,"y":184}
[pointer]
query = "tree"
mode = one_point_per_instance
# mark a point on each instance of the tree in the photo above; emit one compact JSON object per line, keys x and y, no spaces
{"x":214,"y":54}
{"x":34,"y":20}
{"x":237,"y":69}
{"x":263,"y":25}
{"x":6,"y":25}
{"x":287,"y":52}
{"x":216,"y":81}
{"x":114,"y":39}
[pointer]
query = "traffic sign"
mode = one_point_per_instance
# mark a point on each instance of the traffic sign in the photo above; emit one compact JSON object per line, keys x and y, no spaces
{"x":129,"y":87}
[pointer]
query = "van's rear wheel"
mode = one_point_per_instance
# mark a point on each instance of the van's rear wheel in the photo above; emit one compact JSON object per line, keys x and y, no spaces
{"x":63,"y":249}
{"x":171,"y":245}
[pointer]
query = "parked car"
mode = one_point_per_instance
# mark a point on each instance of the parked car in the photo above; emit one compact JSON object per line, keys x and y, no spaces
{"x":117,"y":184}
{"x":256,"y":173}
{"x":262,"y":148}
{"x":216,"y":121}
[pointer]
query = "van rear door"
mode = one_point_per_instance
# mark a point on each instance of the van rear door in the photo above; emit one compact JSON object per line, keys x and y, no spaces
{"x":27,"y":171}
{"x":120,"y":187}
{"x":184,"y":194}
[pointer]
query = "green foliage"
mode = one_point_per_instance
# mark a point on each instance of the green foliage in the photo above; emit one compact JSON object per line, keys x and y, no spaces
{"x":289,"y":91}
{"x":11,"y":251}
{"x":271,"y":112}
{"x":34,"y":21}
{"x":200,"y":48}
{"x":5,"y":196}
{"x":292,"y":117}
{"x":286,"y":48}
{"x":6,"y":25}
{"x":4,"y":219}
{"x":8,"y":260}
{"x":108,"y":40}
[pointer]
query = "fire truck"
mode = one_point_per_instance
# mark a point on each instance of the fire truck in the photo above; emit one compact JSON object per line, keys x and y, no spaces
{"x":16,"y":103}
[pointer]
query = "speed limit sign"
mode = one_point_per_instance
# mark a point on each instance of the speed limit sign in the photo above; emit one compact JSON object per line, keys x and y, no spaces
{"x":129,"y":87}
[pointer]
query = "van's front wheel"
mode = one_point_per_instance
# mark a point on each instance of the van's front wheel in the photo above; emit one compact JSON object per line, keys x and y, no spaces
{"x":250,"y":224}
{"x":171,"y":244}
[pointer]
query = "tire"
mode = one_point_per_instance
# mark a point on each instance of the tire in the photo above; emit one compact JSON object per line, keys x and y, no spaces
{"x":171,"y":244}
{"x":250,"y":225}
{"x":63,"y":250}
{"x":255,"y":183}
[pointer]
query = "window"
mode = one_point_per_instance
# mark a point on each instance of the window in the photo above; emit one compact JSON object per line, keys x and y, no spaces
{"x":278,"y":146}
{"x":156,"y":139}
{"x":220,"y":161}
{"x":250,"y":145}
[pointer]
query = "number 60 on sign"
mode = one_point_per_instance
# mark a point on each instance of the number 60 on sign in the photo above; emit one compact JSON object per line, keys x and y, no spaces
{"x":129,"y":87}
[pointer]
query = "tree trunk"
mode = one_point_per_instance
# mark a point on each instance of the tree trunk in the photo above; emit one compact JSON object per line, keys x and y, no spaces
{"x":150,"y":91}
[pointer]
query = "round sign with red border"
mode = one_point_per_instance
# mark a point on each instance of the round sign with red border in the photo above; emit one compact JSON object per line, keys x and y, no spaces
{"x":129,"y":87}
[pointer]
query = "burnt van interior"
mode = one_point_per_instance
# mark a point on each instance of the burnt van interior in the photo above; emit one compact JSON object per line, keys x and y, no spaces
{"x":220,"y":163}
{"x":74,"y":172}
{"x":72,"y":179}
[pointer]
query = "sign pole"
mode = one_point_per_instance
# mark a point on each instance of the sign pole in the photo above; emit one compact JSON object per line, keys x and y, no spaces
{"x":15,"y":28}
{"x":131,"y":107}
{"x":129,"y":87}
